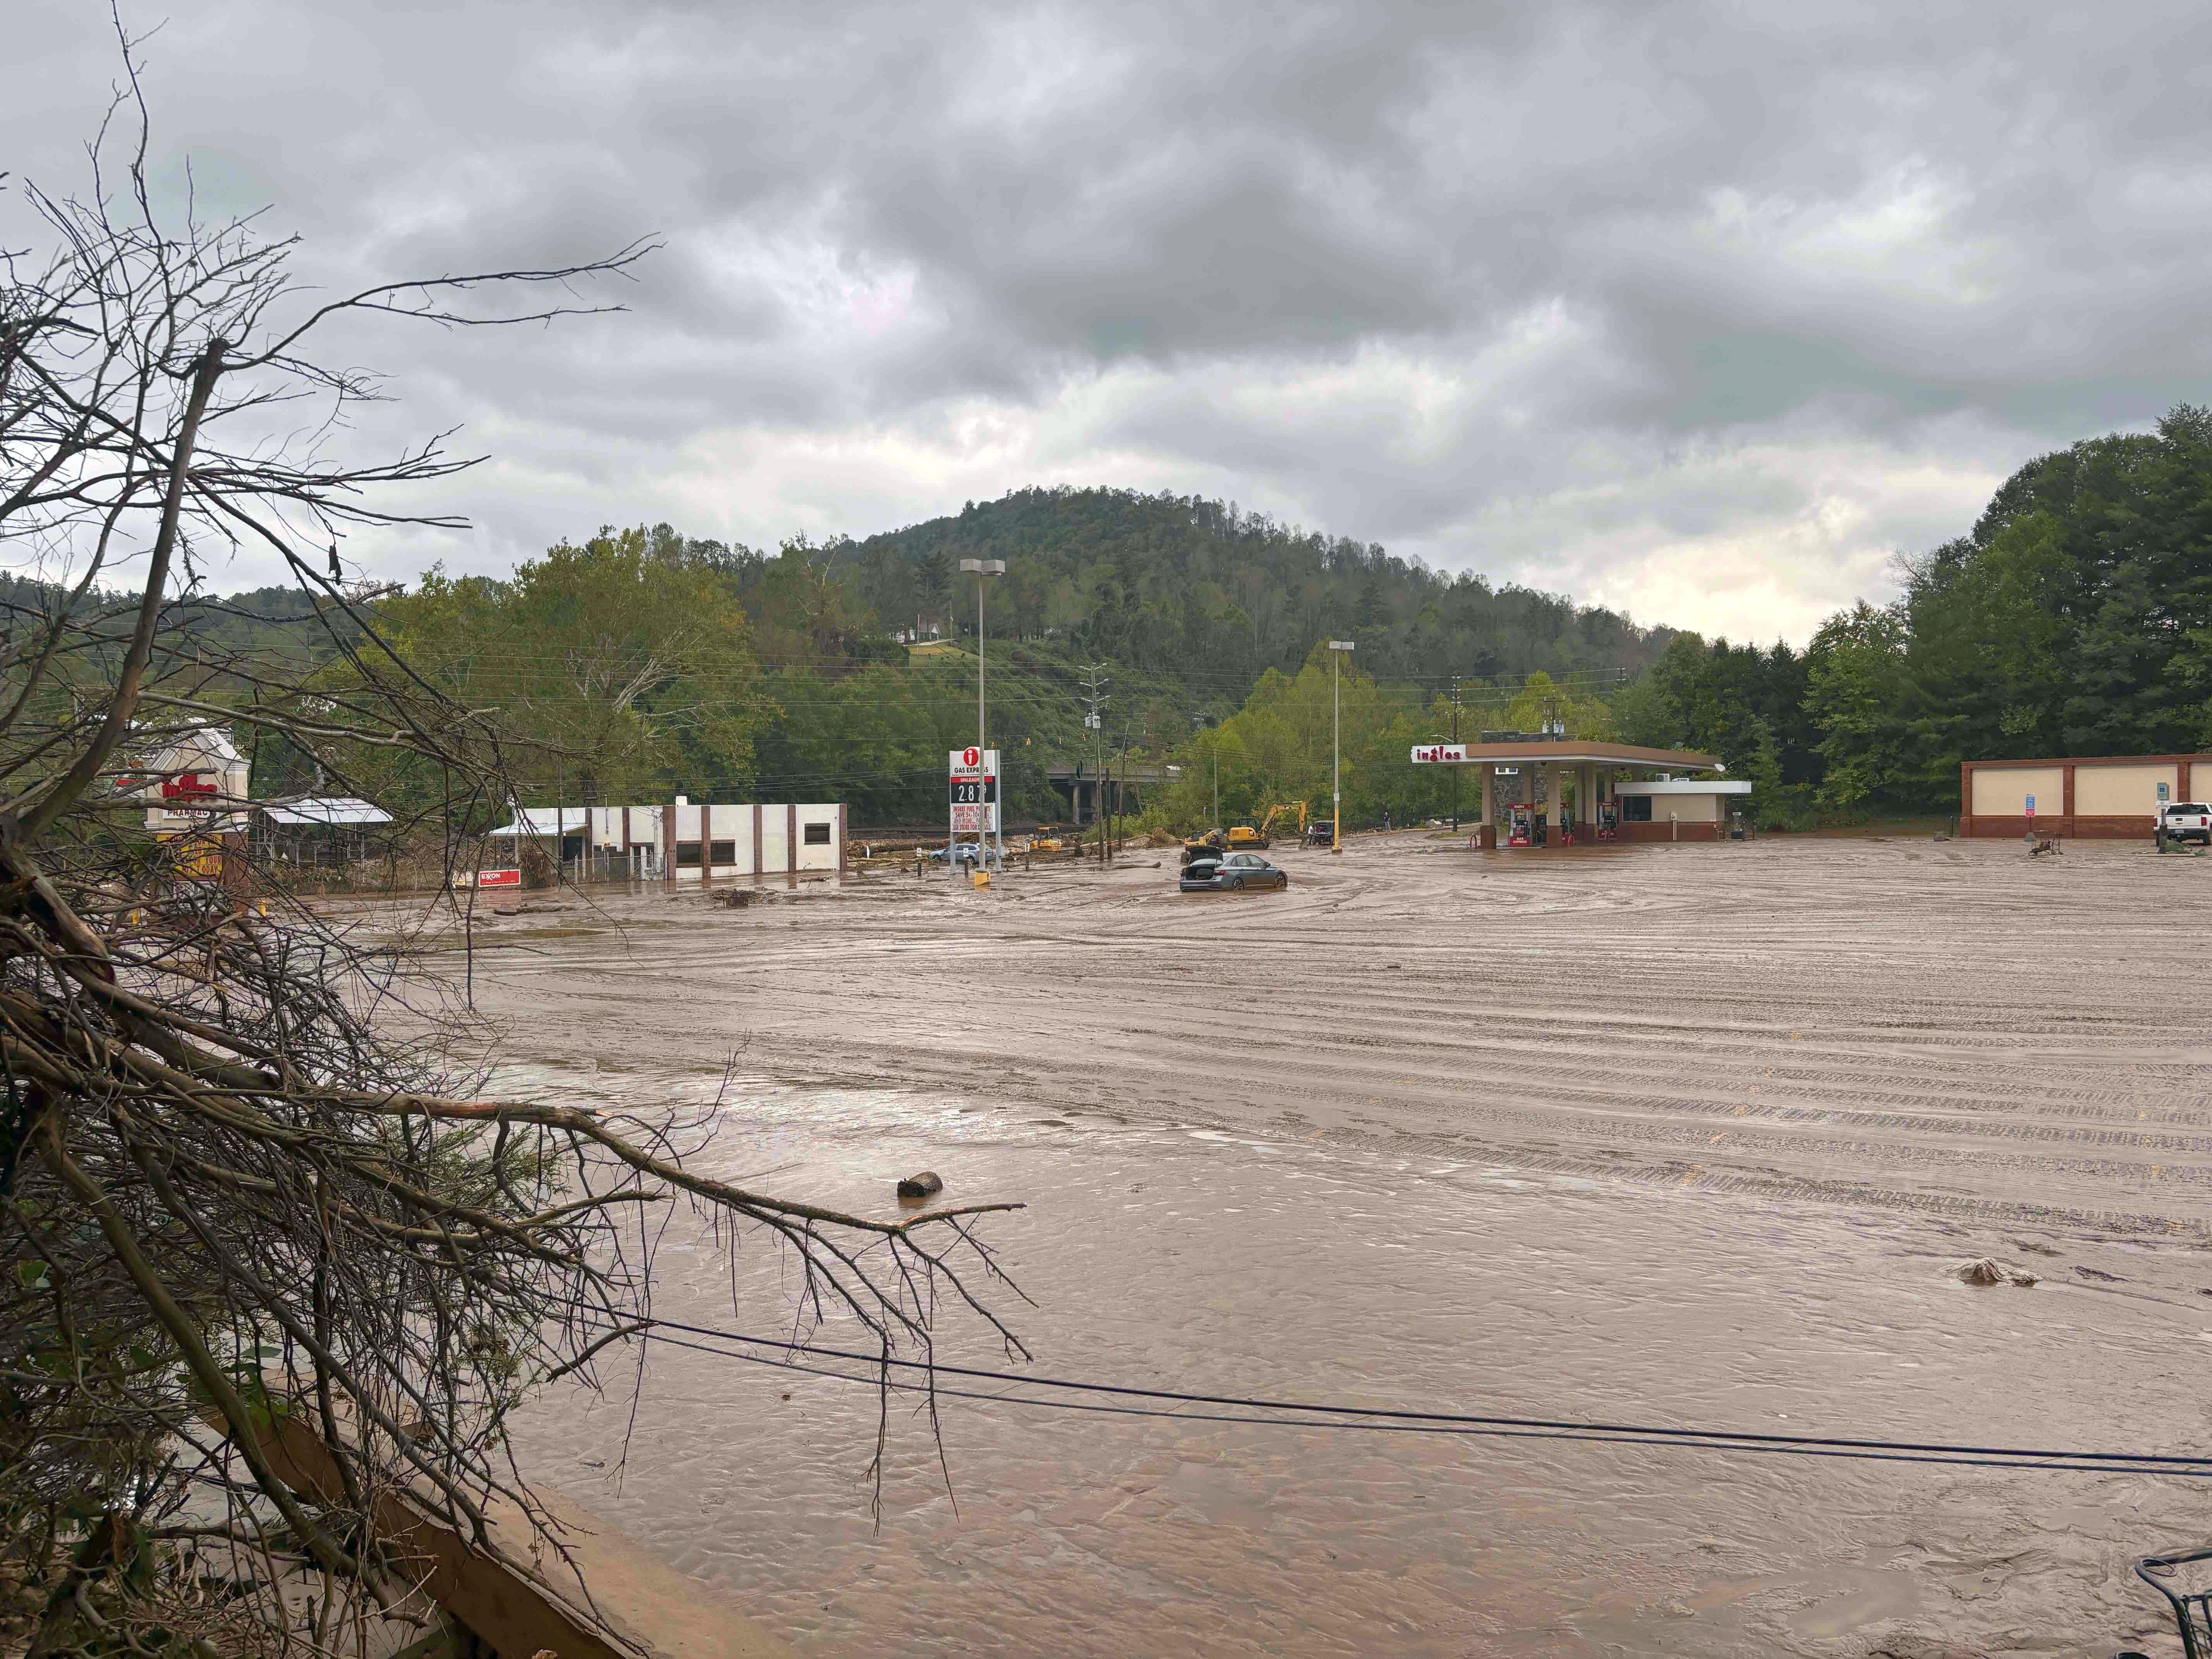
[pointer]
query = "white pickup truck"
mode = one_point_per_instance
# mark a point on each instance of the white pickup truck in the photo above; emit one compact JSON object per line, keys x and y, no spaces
{"x":2183,"y":820}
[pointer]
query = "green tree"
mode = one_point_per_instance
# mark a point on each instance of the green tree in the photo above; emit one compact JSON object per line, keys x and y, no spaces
{"x":608,"y":671}
{"x":1856,"y":683}
{"x":1543,"y":703}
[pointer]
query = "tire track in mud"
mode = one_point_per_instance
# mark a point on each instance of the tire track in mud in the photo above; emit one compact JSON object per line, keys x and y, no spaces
{"x":1814,"y":1020}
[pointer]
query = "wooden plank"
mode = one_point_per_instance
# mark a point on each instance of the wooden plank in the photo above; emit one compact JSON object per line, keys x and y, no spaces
{"x":637,"y":1605}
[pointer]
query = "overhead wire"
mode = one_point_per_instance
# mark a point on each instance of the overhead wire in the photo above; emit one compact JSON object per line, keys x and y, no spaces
{"x":1288,"y":1413}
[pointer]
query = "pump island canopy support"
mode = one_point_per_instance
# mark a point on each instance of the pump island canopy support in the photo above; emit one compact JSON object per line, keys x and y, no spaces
{"x":1549,"y":791}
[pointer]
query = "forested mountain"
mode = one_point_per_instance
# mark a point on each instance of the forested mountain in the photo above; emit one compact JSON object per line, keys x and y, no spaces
{"x":2075,"y":617}
{"x":641,"y":661}
{"x":1181,"y":604}
{"x":1183,"y":585}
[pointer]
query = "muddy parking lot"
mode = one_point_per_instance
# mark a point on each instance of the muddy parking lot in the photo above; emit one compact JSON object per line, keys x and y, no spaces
{"x":1692,"y":1135}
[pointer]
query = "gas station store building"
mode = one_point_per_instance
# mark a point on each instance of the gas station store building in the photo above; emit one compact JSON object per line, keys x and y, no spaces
{"x":1540,"y":790}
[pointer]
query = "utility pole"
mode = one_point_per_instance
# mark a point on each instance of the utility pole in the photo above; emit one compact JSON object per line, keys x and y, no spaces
{"x":1122,"y":763}
{"x":1336,"y":744}
{"x":1454,"y":738}
{"x":1198,"y":723}
{"x":1094,"y":693}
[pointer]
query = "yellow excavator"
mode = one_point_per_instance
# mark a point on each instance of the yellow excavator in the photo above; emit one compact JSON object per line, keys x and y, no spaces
{"x":1048,"y":838}
{"x":1248,"y":835}
{"x":1273,"y":813}
{"x":1210,"y":844}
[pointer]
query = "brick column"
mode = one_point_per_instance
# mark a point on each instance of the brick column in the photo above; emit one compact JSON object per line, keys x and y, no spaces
{"x":1966,"y":800}
{"x":757,"y":848}
{"x":2066,"y":802}
{"x":790,"y":839}
{"x":841,"y":837}
{"x":668,"y":844}
{"x":706,"y":846}
{"x":2182,"y":778}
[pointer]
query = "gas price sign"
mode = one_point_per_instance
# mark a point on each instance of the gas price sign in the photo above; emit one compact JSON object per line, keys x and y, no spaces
{"x":974,"y":791}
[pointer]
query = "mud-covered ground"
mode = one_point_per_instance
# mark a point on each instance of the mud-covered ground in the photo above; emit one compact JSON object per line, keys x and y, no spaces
{"x":1693,"y":1135}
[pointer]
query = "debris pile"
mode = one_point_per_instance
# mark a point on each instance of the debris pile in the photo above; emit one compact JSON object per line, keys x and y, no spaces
{"x":1990,"y":1271}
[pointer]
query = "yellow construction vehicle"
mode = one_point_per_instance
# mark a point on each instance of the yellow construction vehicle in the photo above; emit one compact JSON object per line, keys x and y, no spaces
{"x":1248,"y":835}
{"x":1210,"y":844}
{"x":1268,"y":823}
{"x":1047,"y":838}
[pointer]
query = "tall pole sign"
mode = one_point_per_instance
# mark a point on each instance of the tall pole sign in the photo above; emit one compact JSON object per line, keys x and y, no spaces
{"x":983,"y":570}
{"x":1336,"y":746}
{"x":972,"y":793}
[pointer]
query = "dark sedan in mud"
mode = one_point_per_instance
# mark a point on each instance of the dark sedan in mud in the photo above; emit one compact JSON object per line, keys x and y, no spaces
{"x":1232,"y":873}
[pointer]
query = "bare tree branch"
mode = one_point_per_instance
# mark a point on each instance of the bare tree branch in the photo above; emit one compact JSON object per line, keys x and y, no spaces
{"x":237,"y":1180}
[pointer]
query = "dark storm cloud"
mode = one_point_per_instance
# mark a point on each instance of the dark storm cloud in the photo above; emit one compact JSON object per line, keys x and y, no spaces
{"x":1699,"y":309}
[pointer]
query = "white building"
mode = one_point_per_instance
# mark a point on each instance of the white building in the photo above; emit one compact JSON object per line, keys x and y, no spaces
{"x":688,"y":841}
{"x":1699,"y":806}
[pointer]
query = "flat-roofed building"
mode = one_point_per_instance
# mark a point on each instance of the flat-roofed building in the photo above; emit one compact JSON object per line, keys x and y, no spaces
{"x":685,"y":840}
{"x":2096,"y":797}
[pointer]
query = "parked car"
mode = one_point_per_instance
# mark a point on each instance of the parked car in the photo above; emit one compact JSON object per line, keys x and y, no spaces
{"x":2183,"y":820}
{"x":1231,"y":873}
{"x":960,"y":853}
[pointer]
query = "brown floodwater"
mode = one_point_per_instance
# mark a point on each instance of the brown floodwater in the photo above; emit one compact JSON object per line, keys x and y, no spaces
{"x":1693,"y":1136}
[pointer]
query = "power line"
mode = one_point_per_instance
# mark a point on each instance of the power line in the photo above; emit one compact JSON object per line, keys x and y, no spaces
{"x":1372,"y":1418}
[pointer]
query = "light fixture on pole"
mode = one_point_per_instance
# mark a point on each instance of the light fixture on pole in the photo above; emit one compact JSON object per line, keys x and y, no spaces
{"x":1336,"y":746}
{"x":984,"y":568}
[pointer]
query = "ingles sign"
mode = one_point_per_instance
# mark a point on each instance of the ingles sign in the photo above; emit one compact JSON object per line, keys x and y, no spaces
{"x":1439,"y":751}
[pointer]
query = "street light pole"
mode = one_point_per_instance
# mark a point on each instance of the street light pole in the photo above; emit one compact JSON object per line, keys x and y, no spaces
{"x":984,"y":568}
{"x":1336,"y":746}
{"x":1454,"y":738}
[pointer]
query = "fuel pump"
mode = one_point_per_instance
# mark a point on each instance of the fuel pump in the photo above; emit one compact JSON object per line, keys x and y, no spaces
{"x":1520,"y":824}
{"x":1609,"y":821}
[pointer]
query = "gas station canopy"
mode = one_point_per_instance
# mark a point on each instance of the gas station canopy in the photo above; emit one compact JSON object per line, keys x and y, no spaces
{"x":1575,"y":782}
{"x":1568,"y":751}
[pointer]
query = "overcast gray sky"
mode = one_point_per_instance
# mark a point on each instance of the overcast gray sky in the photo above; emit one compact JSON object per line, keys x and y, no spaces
{"x":1699,"y":311}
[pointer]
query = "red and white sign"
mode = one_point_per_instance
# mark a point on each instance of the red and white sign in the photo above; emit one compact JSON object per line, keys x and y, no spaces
{"x":1431,"y":752}
{"x":974,"y":790}
{"x":488,"y":878}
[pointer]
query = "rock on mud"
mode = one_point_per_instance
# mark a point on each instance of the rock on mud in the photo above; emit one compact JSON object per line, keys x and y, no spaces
{"x":1990,"y":1271}
{"x":928,"y":1184}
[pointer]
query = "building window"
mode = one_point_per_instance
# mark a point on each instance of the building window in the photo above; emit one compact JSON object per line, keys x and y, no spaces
{"x":726,"y":852}
{"x":687,"y":855}
{"x":817,"y":835}
{"x":1636,"y":809}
